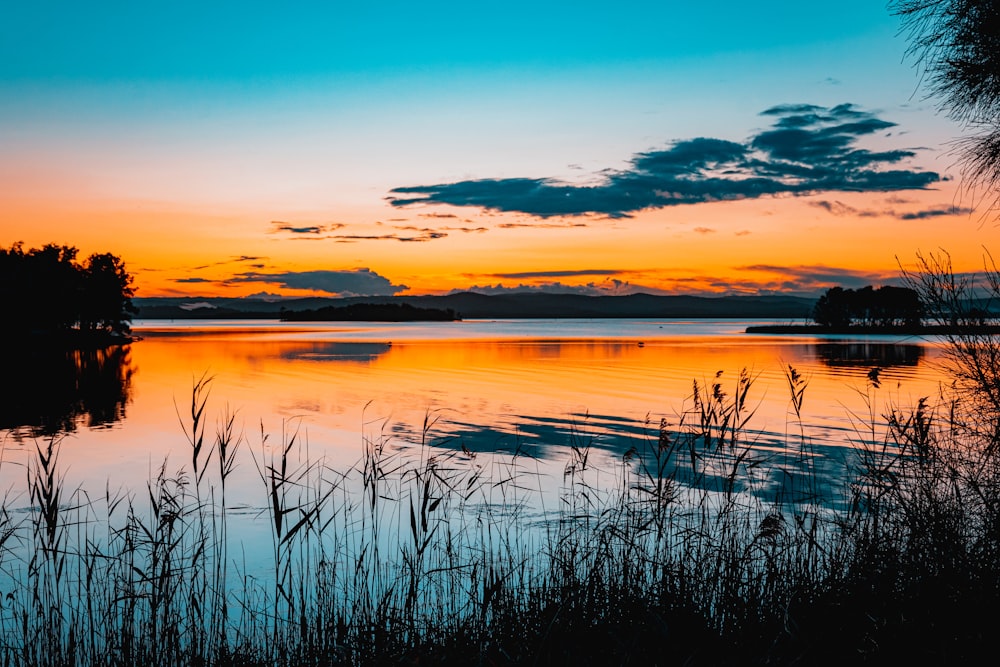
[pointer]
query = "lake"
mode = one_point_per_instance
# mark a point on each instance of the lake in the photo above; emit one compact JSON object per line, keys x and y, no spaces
{"x":534,"y":388}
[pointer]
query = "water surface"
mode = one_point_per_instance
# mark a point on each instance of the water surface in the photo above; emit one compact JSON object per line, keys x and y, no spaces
{"x":534,"y":386}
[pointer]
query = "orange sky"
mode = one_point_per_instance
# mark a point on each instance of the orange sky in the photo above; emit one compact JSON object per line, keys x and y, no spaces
{"x":771,"y":244}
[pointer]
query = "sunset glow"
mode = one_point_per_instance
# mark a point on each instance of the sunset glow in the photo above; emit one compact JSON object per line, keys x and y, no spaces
{"x":605,"y":151}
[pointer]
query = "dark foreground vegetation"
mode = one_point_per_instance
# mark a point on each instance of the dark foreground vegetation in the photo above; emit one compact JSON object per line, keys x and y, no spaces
{"x":53,"y":300}
{"x":694,"y":547}
{"x":920,"y":330}
{"x":894,"y":310}
{"x":887,"y":307}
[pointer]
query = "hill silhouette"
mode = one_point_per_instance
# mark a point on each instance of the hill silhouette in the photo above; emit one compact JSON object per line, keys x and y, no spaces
{"x":472,"y":305}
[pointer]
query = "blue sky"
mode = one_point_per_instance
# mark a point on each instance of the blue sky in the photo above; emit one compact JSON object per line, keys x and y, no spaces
{"x":241,"y":41}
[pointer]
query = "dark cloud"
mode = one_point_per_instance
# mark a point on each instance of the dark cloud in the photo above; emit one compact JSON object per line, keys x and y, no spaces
{"x":192,"y":280}
{"x":704,"y":230}
{"x":465,"y":230}
{"x":423,"y":236}
{"x":558,"y":274}
{"x":608,"y":287}
{"x":433,"y":232}
{"x":541,"y":225}
{"x":935,"y":213}
{"x":356,"y":282}
{"x":839,"y":209}
{"x":812,"y":277}
{"x":808,"y":149}
{"x":314,"y":230}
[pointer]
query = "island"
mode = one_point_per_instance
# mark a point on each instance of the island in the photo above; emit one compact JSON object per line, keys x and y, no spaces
{"x":887,"y":310}
{"x":902,"y":330}
{"x":371,"y":312}
{"x":54,"y":301}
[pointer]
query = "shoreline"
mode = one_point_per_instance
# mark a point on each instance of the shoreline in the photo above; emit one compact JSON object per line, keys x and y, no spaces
{"x":923,"y":330}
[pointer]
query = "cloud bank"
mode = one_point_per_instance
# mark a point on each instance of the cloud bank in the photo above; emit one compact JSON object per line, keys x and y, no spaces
{"x":356,"y":282}
{"x":808,"y":149}
{"x":608,"y":287}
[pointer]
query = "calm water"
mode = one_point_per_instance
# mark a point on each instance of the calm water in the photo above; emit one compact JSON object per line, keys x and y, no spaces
{"x":527,"y":385}
{"x":535,"y":387}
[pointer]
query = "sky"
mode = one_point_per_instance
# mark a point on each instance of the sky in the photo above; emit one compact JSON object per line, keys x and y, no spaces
{"x":333,"y":148}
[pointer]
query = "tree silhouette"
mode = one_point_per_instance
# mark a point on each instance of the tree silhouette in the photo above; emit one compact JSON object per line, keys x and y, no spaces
{"x":957,"y":44}
{"x":106,"y":298}
{"x":47,"y":292}
{"x":833,"y":308}
{"x":886,"y":307}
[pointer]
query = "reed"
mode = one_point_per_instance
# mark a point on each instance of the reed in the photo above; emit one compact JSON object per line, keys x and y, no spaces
{"x":692,"y":547}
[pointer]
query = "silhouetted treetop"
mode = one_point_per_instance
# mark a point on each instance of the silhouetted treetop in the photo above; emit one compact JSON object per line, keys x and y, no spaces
{"x":886,"y":307}
{"x":47,"y":292}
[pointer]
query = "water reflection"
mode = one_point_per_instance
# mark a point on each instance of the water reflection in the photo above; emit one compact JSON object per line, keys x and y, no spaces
{"x":869,"y":354}
{"x":535,"y":396}
{"x":342,"y":351}
{"x":55,"y":391}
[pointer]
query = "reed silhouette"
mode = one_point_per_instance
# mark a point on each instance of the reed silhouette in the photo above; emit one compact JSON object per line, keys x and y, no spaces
{"x":694,"y":547}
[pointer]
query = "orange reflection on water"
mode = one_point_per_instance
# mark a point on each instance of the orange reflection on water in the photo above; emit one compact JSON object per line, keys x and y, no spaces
{"x":337,"y":385}
{"x":495,"y":382}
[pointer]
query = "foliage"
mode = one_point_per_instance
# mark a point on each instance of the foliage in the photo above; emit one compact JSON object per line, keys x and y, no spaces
{"x":47,"y":291}
{"x":965,"y":304}
{"x":957,"y":43}
{"x":885,"y":307}
{"x":700,"y":545}
{"x":683,"y":550}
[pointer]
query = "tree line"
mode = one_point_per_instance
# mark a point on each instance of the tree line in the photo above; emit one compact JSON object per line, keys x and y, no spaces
{"x":48,"y":291}
{"x":885,"y":307}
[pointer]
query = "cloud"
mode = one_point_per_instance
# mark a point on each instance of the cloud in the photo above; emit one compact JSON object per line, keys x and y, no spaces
{"x":818,"y":276}
{"x":935,"y":212}
{"x":423,"y":236}
{"x":840,"y":209}
{"x":266,"y":296}
{"x":313,"y":230}
{"x":704,"y":230}
{"x":808,"y":149}
{"x":429,"y":233}
{"x":465,"y":230}
{"x":540,"y":225}
{"x":192,"y":280}
{"x":356,"y":282}
{"x":608,"y":287}
{"x":558,"y":274}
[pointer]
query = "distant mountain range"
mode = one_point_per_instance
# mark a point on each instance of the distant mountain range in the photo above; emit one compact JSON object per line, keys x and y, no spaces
{"x":472,"y":305}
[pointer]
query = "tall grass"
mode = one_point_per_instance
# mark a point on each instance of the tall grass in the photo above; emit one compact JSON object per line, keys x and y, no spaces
{"x":695,"y":546}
